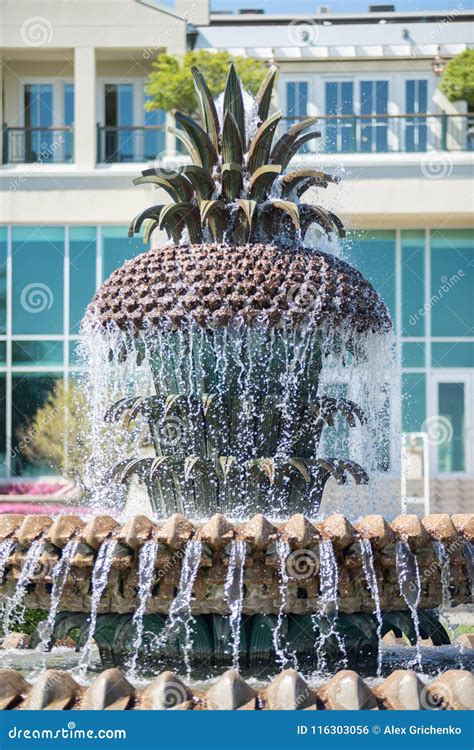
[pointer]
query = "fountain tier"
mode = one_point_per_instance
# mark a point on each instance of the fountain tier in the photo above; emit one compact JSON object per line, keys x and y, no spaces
{"x":262,"y":580}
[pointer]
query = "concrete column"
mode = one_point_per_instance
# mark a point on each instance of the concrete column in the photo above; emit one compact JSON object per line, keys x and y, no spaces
{"x":85,"y":107}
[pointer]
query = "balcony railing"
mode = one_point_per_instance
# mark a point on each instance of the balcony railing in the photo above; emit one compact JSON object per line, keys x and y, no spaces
{"x":130,"y":144}
{"x":339,"y":134}
{"x":52,"y":145}
{"x":390,"y":133}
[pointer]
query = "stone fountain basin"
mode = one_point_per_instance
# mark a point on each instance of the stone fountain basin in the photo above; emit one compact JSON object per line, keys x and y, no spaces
{"x":401,"y":690}
{"x":262,"y":565}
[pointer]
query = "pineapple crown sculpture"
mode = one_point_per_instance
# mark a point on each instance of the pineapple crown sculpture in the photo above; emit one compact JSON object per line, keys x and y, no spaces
{"x":232,"y":320}
{"x":238,"y":228}
{"x":230,"y":186}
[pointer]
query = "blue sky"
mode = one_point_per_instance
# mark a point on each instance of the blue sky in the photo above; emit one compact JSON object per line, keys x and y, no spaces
{"x":337,"y":6}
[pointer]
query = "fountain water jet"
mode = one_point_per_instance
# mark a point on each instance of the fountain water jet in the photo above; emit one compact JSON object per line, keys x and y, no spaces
{"x":283,"y":550}
{"x":410,"y":587}
{"x":371,"y":580}
{"x":146,"y":570}
{"x":27,"y":572}
{"x":180,"y":611}
{"x":329,"y":605}
{"x":100,"y":577}
{"x":59,"y":577}
{"x":234,"y":594}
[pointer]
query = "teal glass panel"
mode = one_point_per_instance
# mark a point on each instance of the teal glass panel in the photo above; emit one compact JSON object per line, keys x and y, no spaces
{"x":452,"y":282}
{"x":374,"y":255}
{"x":451,"y":411}
{"x":29,"y":393}
{"x":452,"y":354}
{"x":3,"y":423}
{"x":74,"y":358}
{"x":3,"y":279}
{"x":413,"y":401}
{"x":413,"y":283}
{"x":82,"y":272}
{"x":38,"y":271}
{"x":117,"y":248}
{"x":413,"y":354}
{"x":37,"y":353}
{"x":3,"y":352}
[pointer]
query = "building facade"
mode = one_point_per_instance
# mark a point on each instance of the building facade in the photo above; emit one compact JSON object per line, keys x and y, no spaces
{"x":76,"y":132}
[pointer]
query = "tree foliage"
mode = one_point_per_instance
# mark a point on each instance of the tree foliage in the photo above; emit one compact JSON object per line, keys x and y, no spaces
{"x":458,"y":79}
{"x":171,"y":85}
{"x":42,"y":439}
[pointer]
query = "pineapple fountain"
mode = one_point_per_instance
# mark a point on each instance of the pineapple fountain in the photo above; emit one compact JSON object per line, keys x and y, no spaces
{"x":209,"y":360}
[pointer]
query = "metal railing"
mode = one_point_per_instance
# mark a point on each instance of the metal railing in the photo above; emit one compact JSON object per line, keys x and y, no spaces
{"x":377,"y":133}
{"x":130,"y":144}
{"x":380,"y":133}
{"x":27,"y":145}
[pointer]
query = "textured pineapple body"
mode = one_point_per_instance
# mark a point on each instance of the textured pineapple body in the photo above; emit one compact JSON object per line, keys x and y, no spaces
{"x":215,"y":285}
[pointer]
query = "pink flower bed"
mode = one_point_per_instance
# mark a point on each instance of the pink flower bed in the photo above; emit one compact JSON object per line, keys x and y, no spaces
{"x":31,"y":488}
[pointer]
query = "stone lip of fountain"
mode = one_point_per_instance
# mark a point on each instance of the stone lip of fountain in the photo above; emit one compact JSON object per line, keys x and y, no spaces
{"x":262,"y":574}
{"x":402,"y":690}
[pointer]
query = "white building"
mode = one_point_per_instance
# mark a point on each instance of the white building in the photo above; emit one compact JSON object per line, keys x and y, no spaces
{"x":76,"y":133}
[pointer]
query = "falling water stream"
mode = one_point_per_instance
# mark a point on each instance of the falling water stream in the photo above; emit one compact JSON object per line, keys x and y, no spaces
{"x":100,"y":577}
{"x":180,"y":611}
{"x":408,"y":574}
{"x":28,"y":570}
{"x":329,"y":607}
{"x":6,"y":547}
{"x":442,"y":555}
{"x":283,"y":550}
{"x":146,"y":576}
{"x":234,"y":594}
{"x":371,"y":579}
{"x":59,"y":577}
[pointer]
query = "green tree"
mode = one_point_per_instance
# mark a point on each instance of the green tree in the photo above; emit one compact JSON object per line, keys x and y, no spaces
{"x":62,"y":420}
{"x":171,"y":86}
{"x":458,"y":79}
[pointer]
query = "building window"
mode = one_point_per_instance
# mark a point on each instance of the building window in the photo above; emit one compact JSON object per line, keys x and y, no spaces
{"x":374,"y":255}
{"x":451,"y":409}
{"x":416,"y":103}
{"x":117,"y":248}
{"x":82,"y":272}
{"x":340,"y":108}
{"x":452,"y":282}
{"x":29,"y":392}
{"x":38,"y":109}
{"x":37,"y":280}
{"x":373,"y":126}
{"x":119,"y":137}
{"x":296,"y":100}
{"x":68,"y":120}
{"x":413,"y":311}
